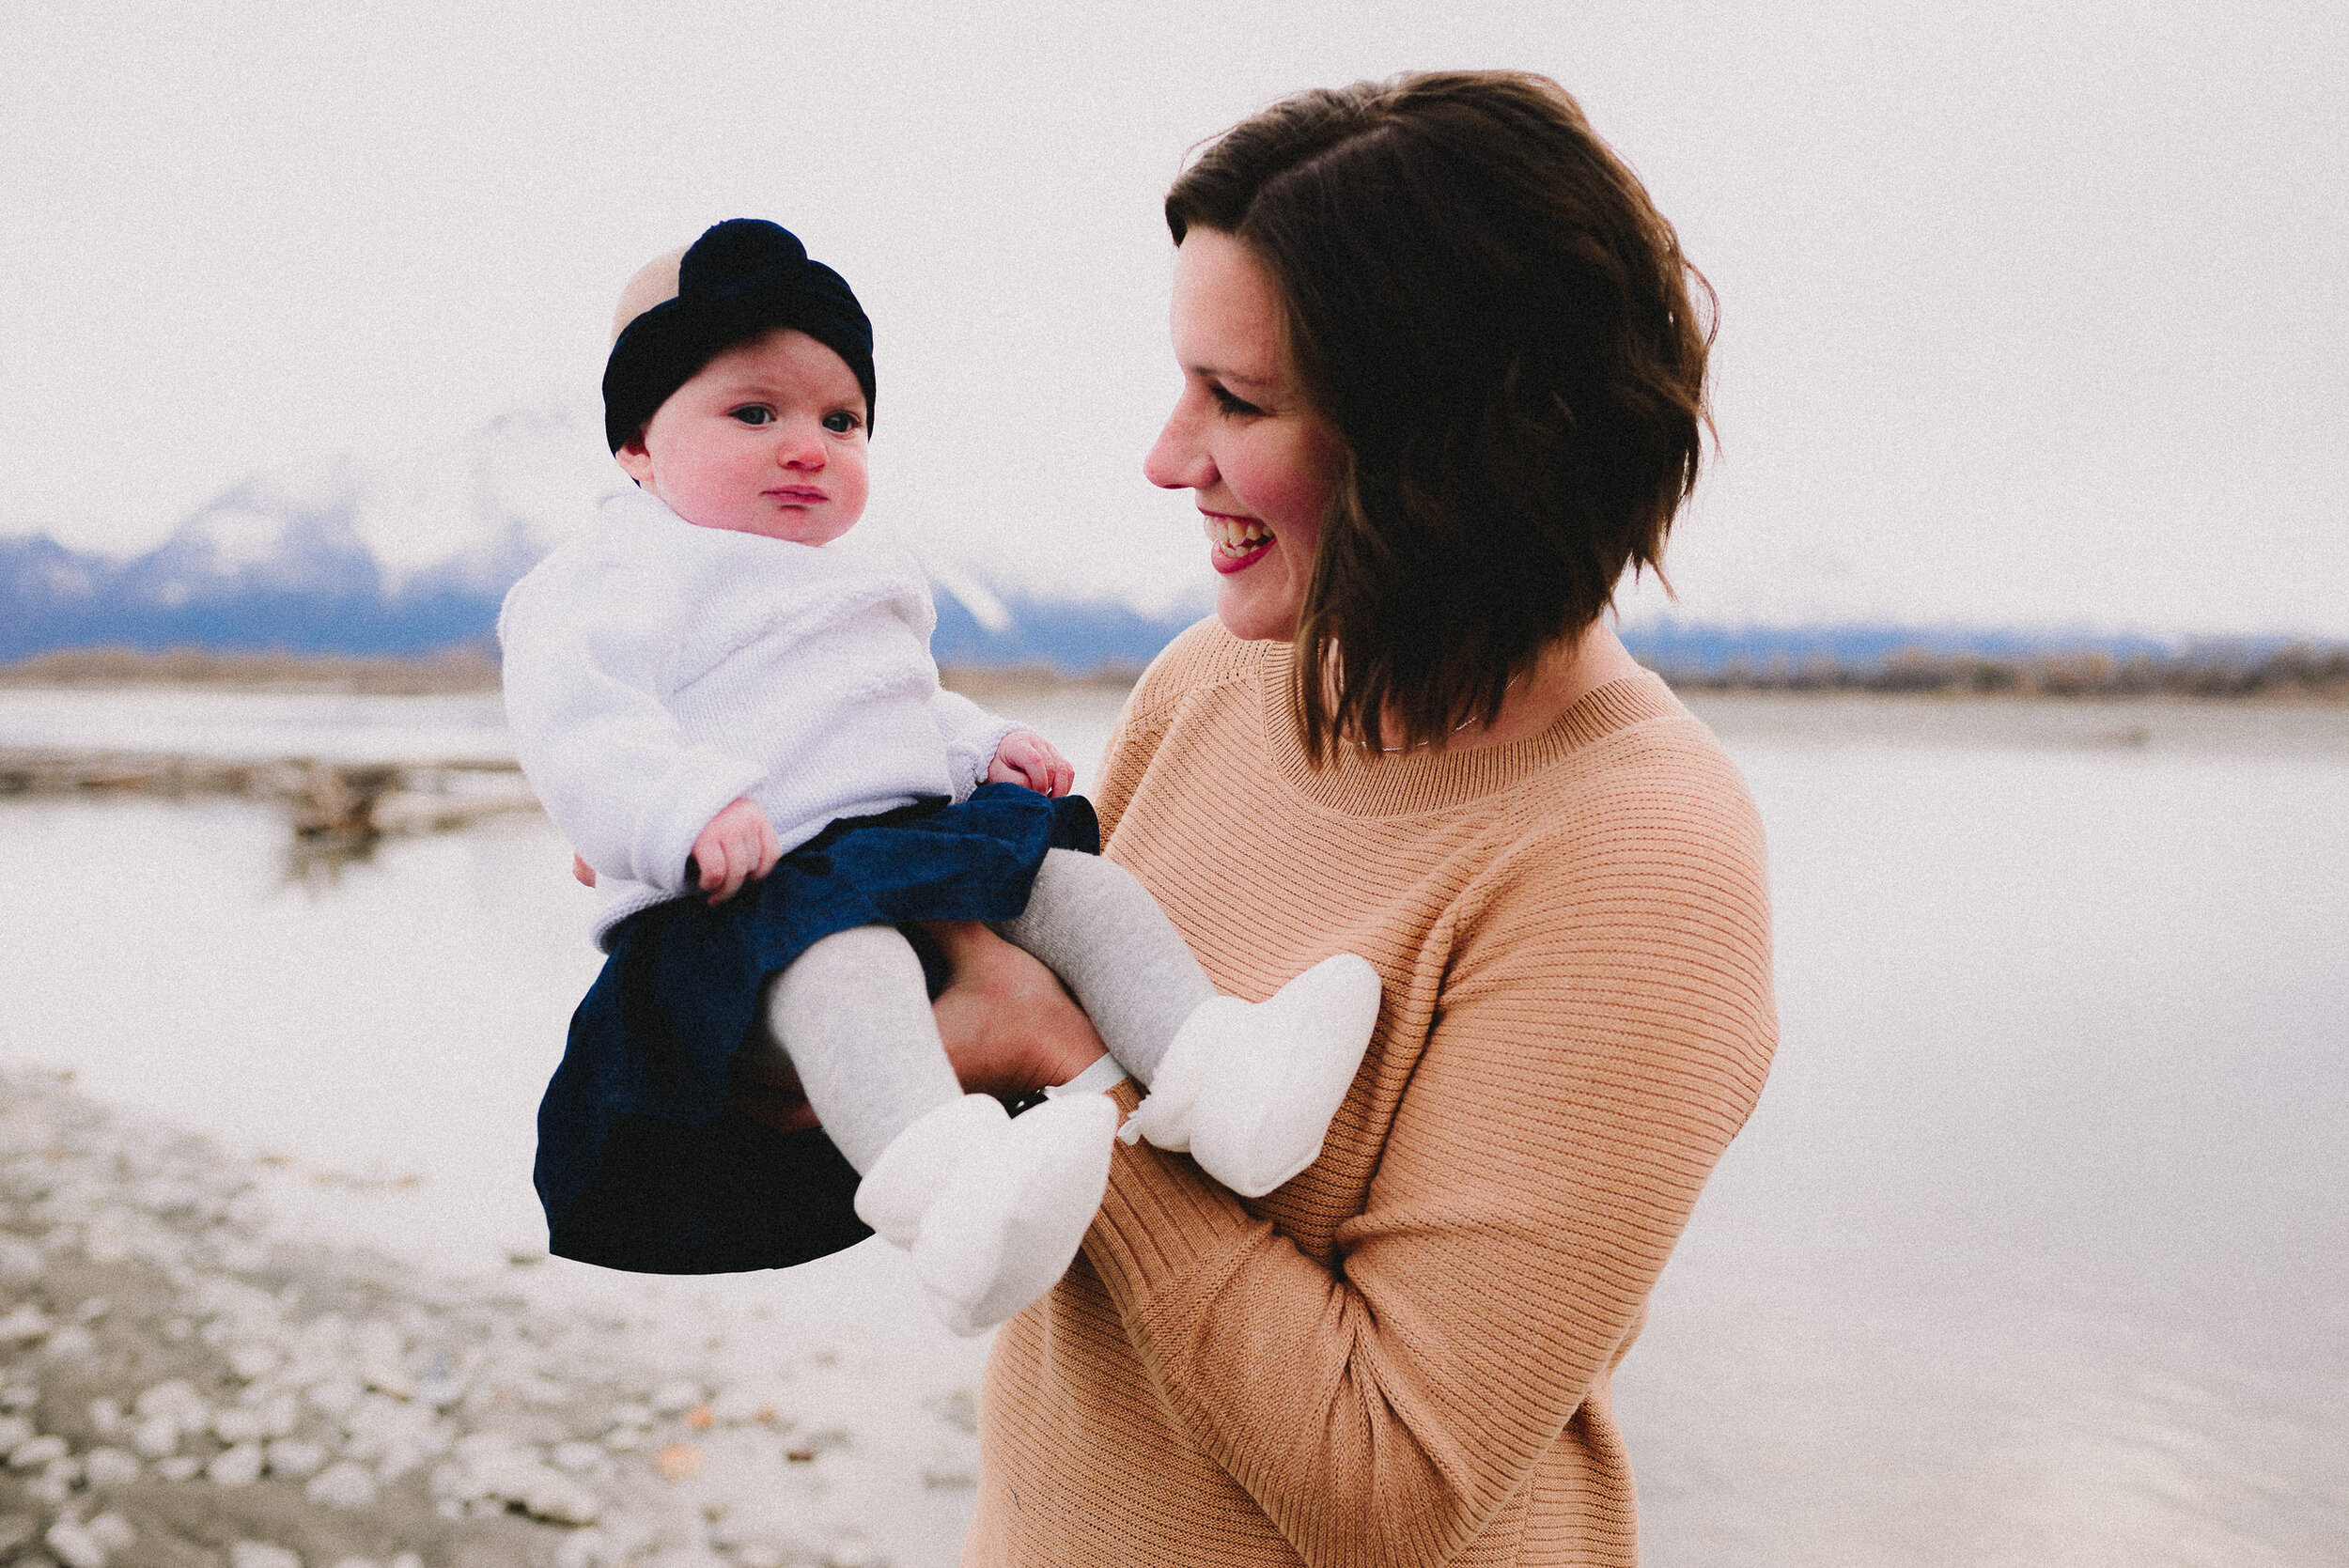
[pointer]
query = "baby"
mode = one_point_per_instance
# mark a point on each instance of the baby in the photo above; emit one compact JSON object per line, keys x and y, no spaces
{"x":731,"y":711}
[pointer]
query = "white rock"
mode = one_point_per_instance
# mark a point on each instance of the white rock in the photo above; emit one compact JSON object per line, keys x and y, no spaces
{"x":454,"y":1484}
{"x":113,"y":1531}
{"x":576,"y":1457}
{"x":236,"y":1423}
{"x":342,"y":1484}
{"x":335,"y":1396}
{"x":252,"y":1361}
{"x":71,"y":1341}
{"x":587,"y":1548}
{"x":92,"y":1309}
{"x":732,"y":1407}
{"x":552,"y":1495}
{"x":177,"y":1400}
{"x":686,"y":1555}
{"x":179,"y":1467}
{"x":20,"y":1263}
{"x":676,"y":1398}
{"x":14,"y":1430}
{"x":156,"y":1436}
{"x":105,"y":1416}
{"x":847,"y":1552}
{"x":28,"y":1322}
{"x":441,"y":1390}
{"x":387,"y":1377}
{"x":19,"y":1396}
{"x":32,"y":1453}
{"x":75,"y":1546}
{"x":356,"y":1562}
{"x":280,"y":1416}
{"x":239,"y":1465}
{"x":49,"y":1489}
{"x":110,"y":1466}
{"x":406,"y":1560}
{"x":258,"y":1554}
{"x":295,"y":1457}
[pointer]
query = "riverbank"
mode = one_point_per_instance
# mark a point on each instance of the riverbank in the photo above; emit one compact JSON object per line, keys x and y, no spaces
{"x":183,"y":1381}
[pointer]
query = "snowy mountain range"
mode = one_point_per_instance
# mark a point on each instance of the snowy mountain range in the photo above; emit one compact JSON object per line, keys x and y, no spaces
{"x":328,"y":559}
{"x":325,"y":558}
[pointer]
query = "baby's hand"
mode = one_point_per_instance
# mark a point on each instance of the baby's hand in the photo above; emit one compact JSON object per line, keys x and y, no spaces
{"x":739,"y":846}
{"x":1026,"y":758}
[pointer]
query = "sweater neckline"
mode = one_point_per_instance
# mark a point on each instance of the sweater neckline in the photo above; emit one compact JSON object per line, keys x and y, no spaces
{"x":1355,"y":782}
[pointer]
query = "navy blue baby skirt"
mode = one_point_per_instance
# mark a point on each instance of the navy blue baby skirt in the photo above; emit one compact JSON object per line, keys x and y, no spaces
{"x":641,"y":1164}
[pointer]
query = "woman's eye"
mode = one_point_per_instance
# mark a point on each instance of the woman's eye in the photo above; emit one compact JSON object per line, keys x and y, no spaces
{"x":754,"y":413}
{"x":1229,"y":404}
{"x":840,"y":422}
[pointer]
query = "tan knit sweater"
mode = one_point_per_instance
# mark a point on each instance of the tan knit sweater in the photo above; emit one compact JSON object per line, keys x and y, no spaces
{"x":1402,"y":1356}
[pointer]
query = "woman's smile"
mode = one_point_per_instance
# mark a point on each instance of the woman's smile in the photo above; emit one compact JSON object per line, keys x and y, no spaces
{"x":1235,"y":543}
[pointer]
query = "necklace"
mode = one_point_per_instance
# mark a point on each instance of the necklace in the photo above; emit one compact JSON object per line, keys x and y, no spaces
{"x":1398,"y":751}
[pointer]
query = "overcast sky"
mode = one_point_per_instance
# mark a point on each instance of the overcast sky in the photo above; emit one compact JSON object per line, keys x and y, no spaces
{"x":2030,"y":315}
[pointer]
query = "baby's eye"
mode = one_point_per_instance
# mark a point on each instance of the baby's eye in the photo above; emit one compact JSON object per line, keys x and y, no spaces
{"x":754,"y":413}
{"x":840,"y":422}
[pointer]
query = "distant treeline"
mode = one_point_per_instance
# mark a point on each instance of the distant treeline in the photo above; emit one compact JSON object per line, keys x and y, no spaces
{"x":2290,"y":669}
{"x":2296,"y":670}
{"x":465,"y":667}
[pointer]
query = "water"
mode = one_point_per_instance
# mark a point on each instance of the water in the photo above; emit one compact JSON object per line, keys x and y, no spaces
{"x":2037,"y":1250}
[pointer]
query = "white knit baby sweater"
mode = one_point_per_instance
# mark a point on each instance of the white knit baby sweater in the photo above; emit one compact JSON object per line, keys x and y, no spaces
{"x":656,"y":671}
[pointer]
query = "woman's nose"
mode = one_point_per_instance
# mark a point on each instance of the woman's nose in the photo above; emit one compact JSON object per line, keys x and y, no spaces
{"x":1177,"y":459}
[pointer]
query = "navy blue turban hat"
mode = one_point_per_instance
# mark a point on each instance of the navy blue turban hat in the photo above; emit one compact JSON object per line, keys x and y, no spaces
{"x":742,"y":280}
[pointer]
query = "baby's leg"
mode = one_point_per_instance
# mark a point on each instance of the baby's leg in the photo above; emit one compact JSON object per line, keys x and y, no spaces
{"x":1098,"y":929}
{"x":1248,"y":1089}
{"x":854,"y":1017}
{"x":992,"y":1209}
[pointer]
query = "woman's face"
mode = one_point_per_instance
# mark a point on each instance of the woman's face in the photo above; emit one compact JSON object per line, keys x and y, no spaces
{"x":1243,"y":438}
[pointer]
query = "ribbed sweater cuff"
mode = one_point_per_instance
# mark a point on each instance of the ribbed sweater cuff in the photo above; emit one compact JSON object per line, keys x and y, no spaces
{"x":1164,"y":1229}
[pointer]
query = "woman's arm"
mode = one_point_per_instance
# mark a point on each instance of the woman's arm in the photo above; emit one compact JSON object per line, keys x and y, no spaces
{"x":1581,"y":1079}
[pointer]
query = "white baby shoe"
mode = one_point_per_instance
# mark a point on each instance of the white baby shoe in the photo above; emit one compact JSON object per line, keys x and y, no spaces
{"x":1248,"y":1088}
{"x":991,"y":1207}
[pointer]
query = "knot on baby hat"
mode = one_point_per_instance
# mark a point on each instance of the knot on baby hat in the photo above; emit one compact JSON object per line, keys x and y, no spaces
{"x":743,"y":279}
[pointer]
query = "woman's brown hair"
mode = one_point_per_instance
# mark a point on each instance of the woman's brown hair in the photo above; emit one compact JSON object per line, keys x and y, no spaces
{"x":1482,"y":299}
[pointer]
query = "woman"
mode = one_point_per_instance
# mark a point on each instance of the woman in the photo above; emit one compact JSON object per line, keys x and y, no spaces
{"x":1443,"y":382}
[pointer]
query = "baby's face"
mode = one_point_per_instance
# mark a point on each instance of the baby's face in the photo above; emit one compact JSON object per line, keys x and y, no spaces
{"x":768,"y":438}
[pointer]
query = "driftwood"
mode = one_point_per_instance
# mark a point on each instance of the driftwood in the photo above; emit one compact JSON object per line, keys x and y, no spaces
{"x":351,"y":803}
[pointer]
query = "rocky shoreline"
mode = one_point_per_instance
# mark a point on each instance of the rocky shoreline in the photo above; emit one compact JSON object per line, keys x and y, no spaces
{"x":183,"y":1387}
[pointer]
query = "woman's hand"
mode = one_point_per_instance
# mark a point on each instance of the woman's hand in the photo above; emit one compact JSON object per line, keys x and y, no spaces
{"x":764,"y":1087}
{"x":1009,"y":1027}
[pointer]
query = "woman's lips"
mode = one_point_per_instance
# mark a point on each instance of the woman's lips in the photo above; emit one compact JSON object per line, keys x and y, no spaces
{"x":1235,"y":544}
{"x":1230,"y":564}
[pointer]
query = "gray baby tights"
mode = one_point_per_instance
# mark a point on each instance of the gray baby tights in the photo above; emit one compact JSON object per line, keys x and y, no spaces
{"x":853,"y":1016}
